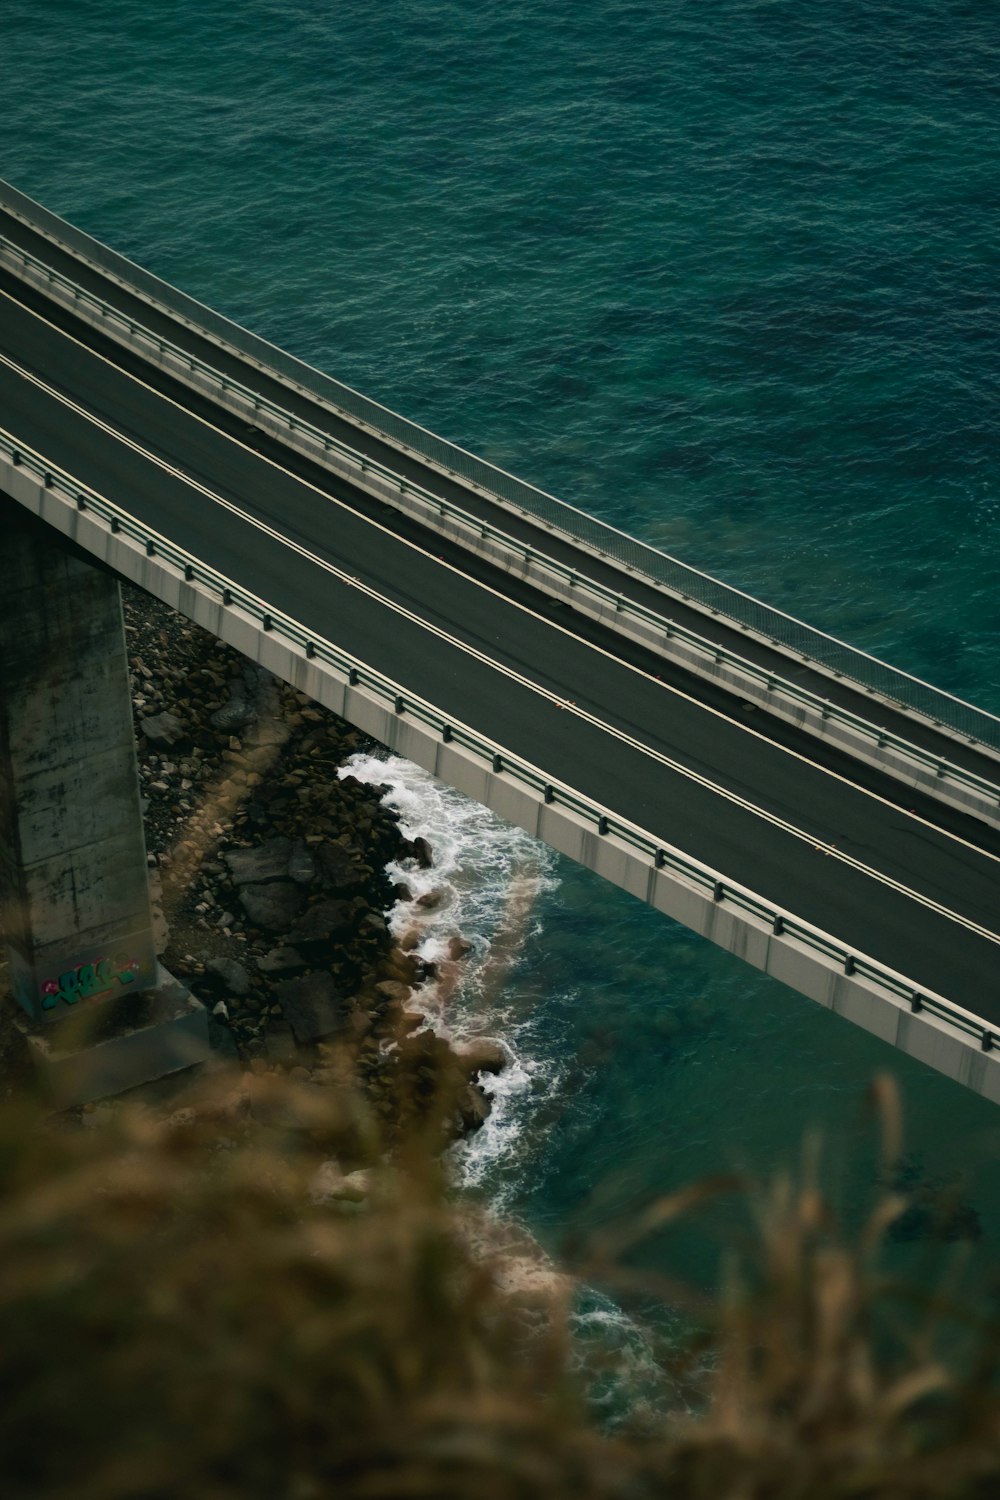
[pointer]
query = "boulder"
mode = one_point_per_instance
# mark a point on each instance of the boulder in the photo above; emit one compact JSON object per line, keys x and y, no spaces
{"x":421,"y":851}
{"x":393,"y":991}
{"x":230,"y":973}
{"x":162,"y":729}
{"x":301,"y":865}
{"x":312,"y":1006}
{"x":336,"y":867}
{"x":232,"y":716}
{"x":331,"y":1185}
{"x":281,"y":961}
{"x":481,"y":1054}
{"x":268,"y":861}
{"x":458,"y":947}
{"x":473,"y":1109}
{"x":325,"y":919}
{"x":273,"y":906}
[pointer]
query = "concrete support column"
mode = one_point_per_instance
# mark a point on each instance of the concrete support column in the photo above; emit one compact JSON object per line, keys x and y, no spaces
{"x":101,"y":1015}
{"x":74,"y":894}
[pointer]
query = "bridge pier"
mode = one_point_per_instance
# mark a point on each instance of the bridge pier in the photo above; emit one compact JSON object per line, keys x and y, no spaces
{"x":99,"y":1012}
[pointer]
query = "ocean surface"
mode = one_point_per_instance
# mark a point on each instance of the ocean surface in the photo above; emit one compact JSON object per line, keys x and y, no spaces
{"x":725,"y":274}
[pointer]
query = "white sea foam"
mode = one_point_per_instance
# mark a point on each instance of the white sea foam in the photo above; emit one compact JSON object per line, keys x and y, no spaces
{"x":488,"y":875}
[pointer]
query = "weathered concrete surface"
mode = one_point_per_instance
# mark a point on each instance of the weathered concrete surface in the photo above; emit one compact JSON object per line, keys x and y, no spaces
{"x":100,"y":1016}
{"x":74,"y":898}
{"x":110,"y":1048}
{"x":815,"y":974}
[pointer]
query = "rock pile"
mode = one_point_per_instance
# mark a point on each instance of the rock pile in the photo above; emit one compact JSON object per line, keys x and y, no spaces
{"x":272,"y":871}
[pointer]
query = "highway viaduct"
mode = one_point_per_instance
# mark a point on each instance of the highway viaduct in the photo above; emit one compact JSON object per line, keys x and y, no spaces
{"x":827,"y":818}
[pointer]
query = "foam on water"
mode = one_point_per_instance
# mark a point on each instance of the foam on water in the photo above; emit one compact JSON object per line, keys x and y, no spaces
{"x":485,"y":880}
{"x":488,"y":876}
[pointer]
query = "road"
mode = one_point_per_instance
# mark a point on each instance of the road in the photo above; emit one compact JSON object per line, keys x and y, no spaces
{"x":895,"y":876}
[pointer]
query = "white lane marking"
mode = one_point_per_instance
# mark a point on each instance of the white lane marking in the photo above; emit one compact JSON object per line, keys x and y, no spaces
{"x":732,"y":721}
{"x":819,"y":845}
{"x":504,"y":670}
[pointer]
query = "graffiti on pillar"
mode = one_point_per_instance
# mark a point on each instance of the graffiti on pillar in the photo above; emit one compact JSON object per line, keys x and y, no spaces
{"x":87,"y":981}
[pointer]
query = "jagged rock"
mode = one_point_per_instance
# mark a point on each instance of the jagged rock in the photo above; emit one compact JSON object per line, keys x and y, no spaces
{"x":323,"y":920}
{"x":281,"y":961}
{"x":430,"y":900}
{"x":231,"y":973}
{"x":473,"y":1108}
{"x":458,"y":947}
{"x":162,"y":729}
{"x":232,"y":715}
{"x":221,"y":1010}
{"x":301,"y":865}
{"x":393,"y":991}
{"x":312,"y":1006}
{"x":336,"y":866}
{"x":330,"y":1184}
{"x":421,"y":851}
{"x":481,"y":1054}
{"x":273,"y":906}
{"x":277,"y":858}
{"x":280,"y":1041}
{"x":268,"y":861}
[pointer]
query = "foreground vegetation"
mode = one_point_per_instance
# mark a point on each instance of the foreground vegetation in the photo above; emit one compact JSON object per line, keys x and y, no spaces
{"x":194,"y":1306}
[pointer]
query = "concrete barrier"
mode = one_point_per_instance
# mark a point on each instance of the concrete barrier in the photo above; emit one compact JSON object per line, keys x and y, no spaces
{"x":870,"y":745}
{"x":818,"y":975}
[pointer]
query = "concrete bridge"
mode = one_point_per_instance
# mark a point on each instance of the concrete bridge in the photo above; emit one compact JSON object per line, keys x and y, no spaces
{"x":826,"y":817}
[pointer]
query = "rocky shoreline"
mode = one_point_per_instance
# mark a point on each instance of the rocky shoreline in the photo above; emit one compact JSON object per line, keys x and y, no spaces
{"x":268,"y":868}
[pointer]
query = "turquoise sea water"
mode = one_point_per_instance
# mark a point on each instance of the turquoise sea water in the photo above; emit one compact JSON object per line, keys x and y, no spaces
{"x":725,"y":274}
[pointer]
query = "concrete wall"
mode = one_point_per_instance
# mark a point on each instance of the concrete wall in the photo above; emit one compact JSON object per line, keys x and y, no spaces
{"x":75,"y":900}
{"x":777,"y":698}
{"x":813,"y":973}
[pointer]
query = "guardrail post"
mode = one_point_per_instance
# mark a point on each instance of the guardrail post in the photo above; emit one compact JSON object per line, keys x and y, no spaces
{"x":267,"y":622}
{"x":310,"y":650}
{"x":116,"y":525}
{"x":916,"y":1001}
{"x":498,"y":762}
{"x":47,"y":481}
{"x":987,"y":1042}
{"x":849,"y":964}
{"x":659,"y":859}
{"x":227,"y":596}
{"x":15,"y":459}
{"x":602,"y":824}
{"x":81,"y":503}
{"x":718,"y":891}
{"x":446,"y":734}
{"x":400,"y":704}
{"x":778,"y":926}
{"x":188,"y":572}
{"x":549,"y":793}
{"x":352,"y":677}
{"x":150,"y":547}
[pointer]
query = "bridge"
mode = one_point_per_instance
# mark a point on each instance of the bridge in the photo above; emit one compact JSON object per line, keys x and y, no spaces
{"x":828,"y":818}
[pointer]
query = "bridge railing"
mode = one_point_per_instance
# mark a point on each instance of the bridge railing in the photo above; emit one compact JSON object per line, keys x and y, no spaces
{"x":777,"y":690}
{"x":552,"y":792}
{"x":772,"y":625}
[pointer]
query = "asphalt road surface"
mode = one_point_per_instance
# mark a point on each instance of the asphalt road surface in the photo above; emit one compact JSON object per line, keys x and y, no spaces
{"x":891,"y":874}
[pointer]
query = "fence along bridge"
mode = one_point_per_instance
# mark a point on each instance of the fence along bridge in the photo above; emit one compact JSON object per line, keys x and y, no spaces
{"x":828,"y":818}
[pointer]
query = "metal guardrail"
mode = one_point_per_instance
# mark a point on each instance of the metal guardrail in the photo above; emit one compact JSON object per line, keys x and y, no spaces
{"x":605,"y":824}
{"x":879,"y":738}
{"x":690,"y":584}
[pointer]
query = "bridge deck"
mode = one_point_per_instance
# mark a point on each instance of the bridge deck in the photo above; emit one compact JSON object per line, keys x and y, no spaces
{"x":581,"y":703}
{"x":800,"y":673}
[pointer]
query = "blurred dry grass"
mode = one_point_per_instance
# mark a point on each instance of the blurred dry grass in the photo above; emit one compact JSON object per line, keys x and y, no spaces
{"x":183,"y":1313}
